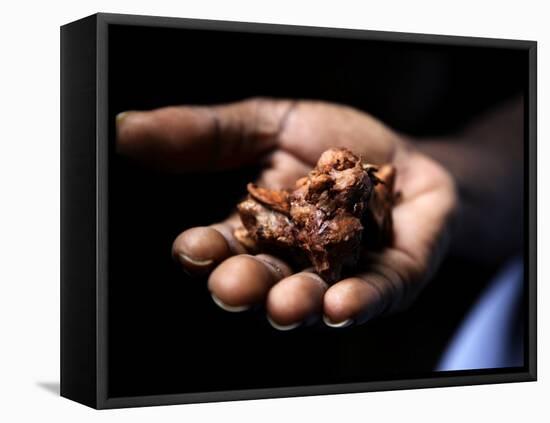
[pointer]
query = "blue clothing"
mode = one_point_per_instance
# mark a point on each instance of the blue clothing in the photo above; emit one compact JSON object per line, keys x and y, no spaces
{"x":491,"y":336}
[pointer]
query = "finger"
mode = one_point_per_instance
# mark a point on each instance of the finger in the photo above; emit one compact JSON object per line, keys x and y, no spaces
{"x":383,"y":288}
{"x":200,"y":249}
{"x":244,"y":280}
{"x":353,"y":300}
{"x":190,"y":138}
{"x":295,"y":300}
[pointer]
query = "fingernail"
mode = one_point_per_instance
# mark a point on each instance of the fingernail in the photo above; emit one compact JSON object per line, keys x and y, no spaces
{"x":341,"y":324}
{"x":121,"y":116}
{"x":283,"y":327}
{"x":226,"y":307}
{"x":195,"y":262}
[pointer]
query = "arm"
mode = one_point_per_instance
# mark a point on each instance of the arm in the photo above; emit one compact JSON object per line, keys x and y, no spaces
{"x":486,"y":161}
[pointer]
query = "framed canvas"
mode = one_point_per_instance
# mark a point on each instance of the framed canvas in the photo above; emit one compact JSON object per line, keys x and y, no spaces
{"x":257,"y":211}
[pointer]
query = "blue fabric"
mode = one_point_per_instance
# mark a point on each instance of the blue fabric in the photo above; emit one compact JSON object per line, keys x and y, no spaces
{"x":491,"y":335}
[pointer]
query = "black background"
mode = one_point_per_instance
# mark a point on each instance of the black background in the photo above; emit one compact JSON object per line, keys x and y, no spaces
{"x":165,"y":333}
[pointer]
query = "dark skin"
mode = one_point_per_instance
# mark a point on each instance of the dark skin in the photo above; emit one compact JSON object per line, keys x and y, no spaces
{"x":287,"y":137}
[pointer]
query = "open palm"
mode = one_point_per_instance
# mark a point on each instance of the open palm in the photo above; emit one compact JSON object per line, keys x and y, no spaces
{"x":288,"y":137}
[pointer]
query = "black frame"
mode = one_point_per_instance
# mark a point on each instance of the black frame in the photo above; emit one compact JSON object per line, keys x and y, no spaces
{"x":84,"y":219}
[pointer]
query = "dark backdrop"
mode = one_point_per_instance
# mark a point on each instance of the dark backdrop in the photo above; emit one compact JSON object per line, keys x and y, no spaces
{"x":165,"y":333}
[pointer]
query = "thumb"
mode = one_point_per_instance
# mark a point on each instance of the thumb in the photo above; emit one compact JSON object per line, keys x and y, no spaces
{"x":191,"y":138}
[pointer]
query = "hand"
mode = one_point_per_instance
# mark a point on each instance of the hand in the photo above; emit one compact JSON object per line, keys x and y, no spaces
{"x":288,"y":137}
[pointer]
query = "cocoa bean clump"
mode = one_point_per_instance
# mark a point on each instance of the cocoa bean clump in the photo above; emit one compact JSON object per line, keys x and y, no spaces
{"x":341,"y":207}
